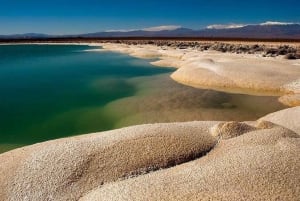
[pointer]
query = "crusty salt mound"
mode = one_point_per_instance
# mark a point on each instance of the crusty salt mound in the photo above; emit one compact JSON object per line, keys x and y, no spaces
{"x":226,"y":130}
{"x":290,"y":99}
{"x":175,"y":161}
{"x":288,"y":118}
{"x":259,"y":165}
{"x":264,"y":124}
{"x":65,"y":169}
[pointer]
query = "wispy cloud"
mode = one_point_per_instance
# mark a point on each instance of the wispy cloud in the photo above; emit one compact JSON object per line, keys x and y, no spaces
{"x":157,"y":28}
{"x":120,"y":30}
{"x":162,"y":28}
{"x":225,"y":26}
{"x":276,"y":23}
{"x":232,"y":26}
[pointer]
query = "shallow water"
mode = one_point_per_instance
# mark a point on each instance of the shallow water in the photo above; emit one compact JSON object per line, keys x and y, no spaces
{"x":53,"y":91}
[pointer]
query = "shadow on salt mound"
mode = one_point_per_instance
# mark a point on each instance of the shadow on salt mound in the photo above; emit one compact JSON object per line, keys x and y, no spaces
{"x":144,"y":53}
{"x":66,"y":169}
{"x":290,"y":99}
{"x":288,"y":118}
{"x":264,"y":124}
{"x":227,"y":130}
{"x":201,"y":63}
{"x":199,"y":60}
{"x":167,"y":62}
{"x":259,"y":165}
{"x":207,"y":61}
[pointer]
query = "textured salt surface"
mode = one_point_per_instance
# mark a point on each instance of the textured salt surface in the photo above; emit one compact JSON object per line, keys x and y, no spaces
{"x":162,"y":162}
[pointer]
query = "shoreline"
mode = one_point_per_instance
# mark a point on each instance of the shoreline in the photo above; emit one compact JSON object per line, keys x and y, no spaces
{"x":171,"y":54}
{"x":233,"y":46}
{"x":183,"y":56}
{"x":251,"y":74}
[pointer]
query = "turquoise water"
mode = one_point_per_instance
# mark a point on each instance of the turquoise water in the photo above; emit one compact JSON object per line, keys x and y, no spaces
{"x":54,"y":91}
{"x":46,"y":89}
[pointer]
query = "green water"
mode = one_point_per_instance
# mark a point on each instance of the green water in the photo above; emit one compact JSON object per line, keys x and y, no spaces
{"x":53,"y":91}
{"x":45,"y":90}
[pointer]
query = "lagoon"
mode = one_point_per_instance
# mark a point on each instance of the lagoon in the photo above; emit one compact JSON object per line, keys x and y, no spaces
{"x":54,"y":91}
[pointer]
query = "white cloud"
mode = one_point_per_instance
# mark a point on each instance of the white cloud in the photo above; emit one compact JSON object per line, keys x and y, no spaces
{"x":225,"y":26}
{"x":232,"y":26}
{"x":120,"y":30}
{"x":162,"y":28}
{"x":276,"y":23}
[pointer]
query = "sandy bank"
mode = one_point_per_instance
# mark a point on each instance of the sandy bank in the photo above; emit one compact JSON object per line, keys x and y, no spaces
{"x":67,"y":168}
{"x":237,"y":73}
{"x":175,"y":161}
{"x":259,"y":165}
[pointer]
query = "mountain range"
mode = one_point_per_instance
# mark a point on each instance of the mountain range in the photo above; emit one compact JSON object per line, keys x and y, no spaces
{"x":262,"y":31}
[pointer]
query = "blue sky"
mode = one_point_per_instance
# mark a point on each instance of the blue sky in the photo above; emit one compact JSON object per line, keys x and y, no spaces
{"x":83,"y":16}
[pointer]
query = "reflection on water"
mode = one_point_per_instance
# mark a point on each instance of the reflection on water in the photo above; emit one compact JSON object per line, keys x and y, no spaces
{"x":49,"y":92}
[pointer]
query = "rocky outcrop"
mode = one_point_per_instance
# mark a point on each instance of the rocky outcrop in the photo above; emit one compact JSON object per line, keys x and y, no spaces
{"x":266,"y":50}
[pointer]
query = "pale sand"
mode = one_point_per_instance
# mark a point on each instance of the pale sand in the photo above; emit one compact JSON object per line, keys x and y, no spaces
{"x":229,"y":72}
{"x":288,"y":118}
{"x":260,"y":165}
{"x":68,"y":168}
{"x":162,"y":162}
